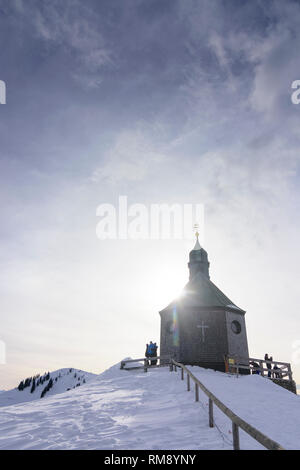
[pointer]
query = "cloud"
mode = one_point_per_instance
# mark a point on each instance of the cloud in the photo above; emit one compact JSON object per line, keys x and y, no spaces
{"x":70,"y":27}
{"x":198,"y":112}
{"x":132,"y":158}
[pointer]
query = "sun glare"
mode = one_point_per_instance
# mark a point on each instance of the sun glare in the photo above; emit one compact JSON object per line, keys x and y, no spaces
{"x":168,"y":288}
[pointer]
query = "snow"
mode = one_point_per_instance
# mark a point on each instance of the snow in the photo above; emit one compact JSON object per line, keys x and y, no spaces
{"x":63,"y":379}
{"x":121,"y":409}
{"x":268,"y":407}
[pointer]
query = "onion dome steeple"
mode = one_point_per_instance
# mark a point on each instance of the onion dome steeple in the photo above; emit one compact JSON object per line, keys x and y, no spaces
{"x":198,"y":260}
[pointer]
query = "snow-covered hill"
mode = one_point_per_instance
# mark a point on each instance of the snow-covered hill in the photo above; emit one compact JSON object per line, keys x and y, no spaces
{"x":45,"y":385}
{"x":122,"y":409}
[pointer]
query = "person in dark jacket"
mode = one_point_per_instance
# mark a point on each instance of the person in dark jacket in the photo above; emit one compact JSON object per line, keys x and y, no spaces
{"x":277,"y":372}
{"x":149,"y":351}
{"x":269,"y":366}
{"x":154,"y":354}
{"x":255,"y":368}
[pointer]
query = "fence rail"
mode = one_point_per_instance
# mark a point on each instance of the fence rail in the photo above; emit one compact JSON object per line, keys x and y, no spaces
{"x":148,"y":362}
{"x":276,"y":369}
{"x":237,"y":422}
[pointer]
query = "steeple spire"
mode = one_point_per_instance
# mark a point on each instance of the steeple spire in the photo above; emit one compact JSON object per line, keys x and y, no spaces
{"x":198,"y":259}
{"x":197,"y":245}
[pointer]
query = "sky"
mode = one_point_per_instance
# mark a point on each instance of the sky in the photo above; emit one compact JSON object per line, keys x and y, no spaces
{"x":161,"y":101}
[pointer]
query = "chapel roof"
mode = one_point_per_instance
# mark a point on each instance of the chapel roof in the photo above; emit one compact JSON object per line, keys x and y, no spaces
{"x":202,"y":292}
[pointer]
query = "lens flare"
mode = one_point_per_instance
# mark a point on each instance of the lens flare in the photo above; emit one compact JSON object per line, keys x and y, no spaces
{"x":175,"y":327}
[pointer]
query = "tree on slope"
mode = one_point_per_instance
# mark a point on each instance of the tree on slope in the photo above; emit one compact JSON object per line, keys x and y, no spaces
{"x":33,"y":386}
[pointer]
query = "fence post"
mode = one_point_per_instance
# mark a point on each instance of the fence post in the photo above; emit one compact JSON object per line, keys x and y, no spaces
{"x":188,"y":382}
{"x":211,"y":413}
{"x":145,"y":365}
{"x":290,"y":372}
{"x":182,"y":373}
{"x":236,"y":437}
{"x":196,"y":392}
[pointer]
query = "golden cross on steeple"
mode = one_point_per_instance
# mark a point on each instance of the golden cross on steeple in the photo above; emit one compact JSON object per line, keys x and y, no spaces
{"x":197,"y":246}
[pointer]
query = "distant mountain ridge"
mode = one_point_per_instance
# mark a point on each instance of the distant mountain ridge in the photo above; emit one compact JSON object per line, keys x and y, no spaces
{"x":48,"y":384}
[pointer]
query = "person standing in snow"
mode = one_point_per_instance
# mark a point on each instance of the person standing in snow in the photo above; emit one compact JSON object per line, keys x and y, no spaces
{"x":149,"y":351}
{"x":269,"y":366}
{"x":277,"y":372}
{"x":255,"y":368}
{"x":154,"y":354}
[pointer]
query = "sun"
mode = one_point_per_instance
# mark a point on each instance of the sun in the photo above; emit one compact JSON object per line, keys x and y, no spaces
{"x":168,"y":287}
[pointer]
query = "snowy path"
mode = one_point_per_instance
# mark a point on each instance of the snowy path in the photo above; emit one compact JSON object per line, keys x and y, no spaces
{"x":134,"y":410}
{"x":266,"y":406}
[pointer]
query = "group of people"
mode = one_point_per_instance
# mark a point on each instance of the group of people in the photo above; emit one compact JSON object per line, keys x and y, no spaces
{"x":151,"y":351}
{"x":275,"y":372}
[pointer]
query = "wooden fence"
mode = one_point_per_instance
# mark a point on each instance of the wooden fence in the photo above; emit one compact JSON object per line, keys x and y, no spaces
{"x":276,"y":370}
{"x":236,"y":365}
{"x":237,"y":422}
{"x":148,"y":362}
